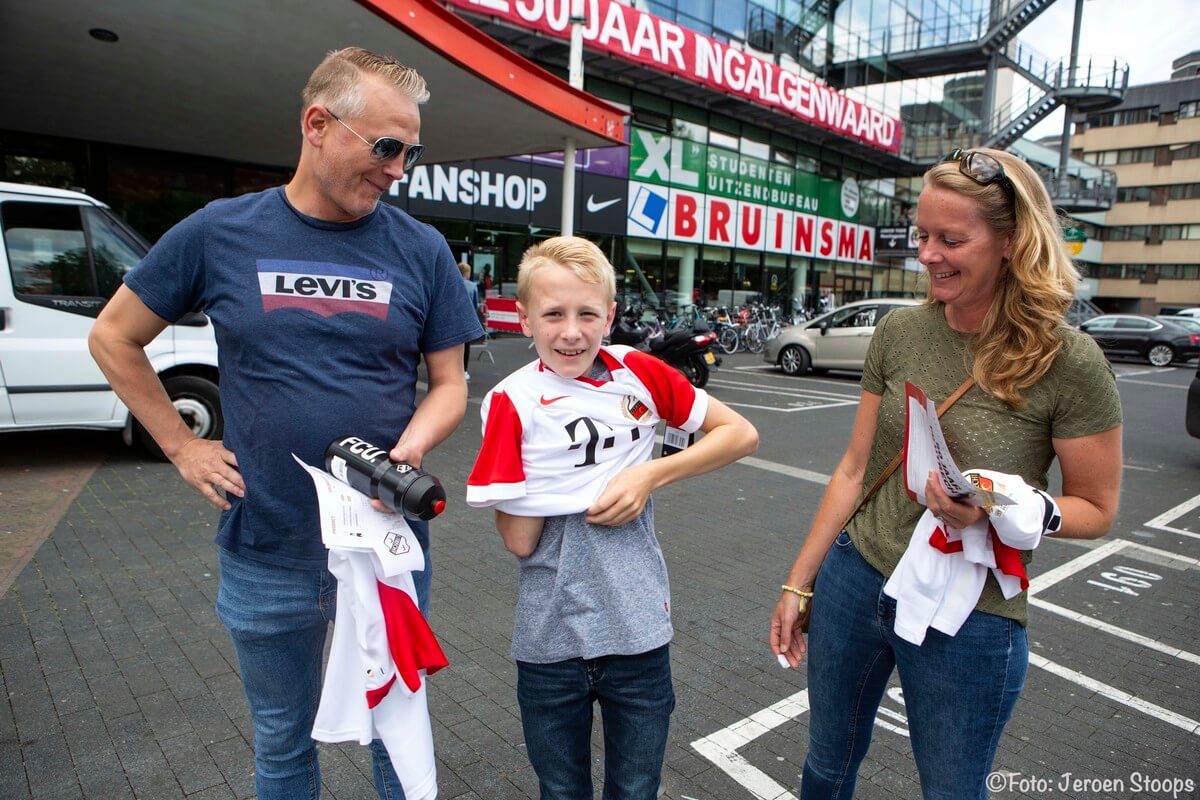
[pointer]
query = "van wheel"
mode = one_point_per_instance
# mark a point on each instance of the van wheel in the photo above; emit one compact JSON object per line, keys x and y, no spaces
{"x":199,"y":405}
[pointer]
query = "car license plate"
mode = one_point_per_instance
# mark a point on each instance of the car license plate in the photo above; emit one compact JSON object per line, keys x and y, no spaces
{"x":709,"y":358}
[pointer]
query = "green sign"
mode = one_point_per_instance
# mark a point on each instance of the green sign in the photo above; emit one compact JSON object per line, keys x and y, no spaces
{"x":661,"y":159}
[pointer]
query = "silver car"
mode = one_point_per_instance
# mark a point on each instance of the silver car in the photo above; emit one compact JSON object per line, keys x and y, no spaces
{"x":837,"y":340}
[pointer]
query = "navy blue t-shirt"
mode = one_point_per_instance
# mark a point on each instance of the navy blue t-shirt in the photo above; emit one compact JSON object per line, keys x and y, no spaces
{"x":319,"y":329}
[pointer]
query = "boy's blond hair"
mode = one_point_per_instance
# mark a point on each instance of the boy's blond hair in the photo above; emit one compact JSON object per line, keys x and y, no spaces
{"x":584,"y":259}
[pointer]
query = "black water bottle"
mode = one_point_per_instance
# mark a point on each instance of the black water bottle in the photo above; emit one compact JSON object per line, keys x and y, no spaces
{"x":401,"y":487}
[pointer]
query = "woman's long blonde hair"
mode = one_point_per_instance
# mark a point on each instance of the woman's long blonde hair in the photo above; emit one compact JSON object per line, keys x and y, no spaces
{"x":1019,"y":338}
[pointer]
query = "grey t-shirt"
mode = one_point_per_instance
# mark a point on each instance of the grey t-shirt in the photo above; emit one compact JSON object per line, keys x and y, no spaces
{"x":592,"y":590}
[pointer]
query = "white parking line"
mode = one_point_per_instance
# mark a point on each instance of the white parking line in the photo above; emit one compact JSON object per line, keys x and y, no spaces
{"x":1155,"y":371}
{"x":787,"y":410}
{"x":1063,"y":571}
{"x":1112,"y":693}
{"x":1155,"y":383}
{"x":785,"y":469}
{"x":1159,"y":523}
{"x":721,"y":747}
{"x":776,"y":389}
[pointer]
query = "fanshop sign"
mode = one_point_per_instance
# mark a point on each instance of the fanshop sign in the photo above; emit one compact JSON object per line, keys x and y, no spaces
{"x":665,"y":46}
{"x":687,"y":192}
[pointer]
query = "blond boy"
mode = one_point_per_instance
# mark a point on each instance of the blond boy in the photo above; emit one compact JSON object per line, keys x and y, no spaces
{"x":566,"y":463}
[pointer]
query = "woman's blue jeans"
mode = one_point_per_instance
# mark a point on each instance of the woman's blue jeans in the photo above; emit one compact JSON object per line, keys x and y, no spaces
{"x":277,"y":618}
{"x":959,"y":691}
{"x":636,"y":700}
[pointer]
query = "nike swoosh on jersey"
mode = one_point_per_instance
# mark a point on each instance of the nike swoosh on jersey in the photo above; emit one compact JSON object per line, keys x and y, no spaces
{"x":593,"y":206}
{"x":547,"y":401}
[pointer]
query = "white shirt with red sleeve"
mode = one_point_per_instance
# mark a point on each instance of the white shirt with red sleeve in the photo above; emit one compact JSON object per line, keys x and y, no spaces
{"x":551,"y":444}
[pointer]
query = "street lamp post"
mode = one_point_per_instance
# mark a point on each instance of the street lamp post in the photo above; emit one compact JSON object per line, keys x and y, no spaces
{"x":575,"y":78}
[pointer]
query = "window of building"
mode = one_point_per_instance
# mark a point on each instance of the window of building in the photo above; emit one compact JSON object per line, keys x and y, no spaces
{"x":1143,"y":194}
{"x":660,"y":10}
{"x":756,"y":149}
{"x":720,"y":139}
{"x":730,"y":17}
{"x":1133,"y":194}
{"x":1186,"y":151}
{"x":1184,"y":272}
{"x":701,"y":9}
{"x":1189,"y":109}
{"x":58,"y":173}
{"x":1184,"y":191}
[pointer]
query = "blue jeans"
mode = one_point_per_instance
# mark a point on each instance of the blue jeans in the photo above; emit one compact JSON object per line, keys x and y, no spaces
{"x":636,"y":701}
{"x":278,"y":618}
{"x":959,"y":691}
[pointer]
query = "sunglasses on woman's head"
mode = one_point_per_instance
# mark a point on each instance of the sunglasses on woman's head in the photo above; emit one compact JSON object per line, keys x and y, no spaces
{"x":983,"y":169}
{"x":385,"y":148}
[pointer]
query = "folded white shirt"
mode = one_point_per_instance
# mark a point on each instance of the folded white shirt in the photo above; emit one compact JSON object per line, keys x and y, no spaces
{"x":942,"y":572}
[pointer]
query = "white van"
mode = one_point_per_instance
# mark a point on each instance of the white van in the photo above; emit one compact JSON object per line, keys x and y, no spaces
{"x":63,"y":256}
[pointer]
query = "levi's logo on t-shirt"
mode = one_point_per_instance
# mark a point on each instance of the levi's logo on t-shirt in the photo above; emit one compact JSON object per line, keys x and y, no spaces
{"x":323,"y":288}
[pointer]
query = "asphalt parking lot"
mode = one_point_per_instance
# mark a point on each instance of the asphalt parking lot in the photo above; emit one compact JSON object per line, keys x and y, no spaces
{"x":118,"y":681}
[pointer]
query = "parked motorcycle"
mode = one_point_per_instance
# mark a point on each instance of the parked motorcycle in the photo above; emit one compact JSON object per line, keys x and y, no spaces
{"x":687,"y":350}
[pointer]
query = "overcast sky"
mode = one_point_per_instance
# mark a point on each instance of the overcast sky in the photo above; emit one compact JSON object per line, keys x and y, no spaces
{"x":1148,"y":34}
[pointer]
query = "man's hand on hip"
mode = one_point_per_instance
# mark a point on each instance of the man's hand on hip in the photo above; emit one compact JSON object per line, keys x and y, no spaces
{"x":208,"y":466}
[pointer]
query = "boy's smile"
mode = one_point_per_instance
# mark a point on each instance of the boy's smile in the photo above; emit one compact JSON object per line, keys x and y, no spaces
{"x":567,"y":318}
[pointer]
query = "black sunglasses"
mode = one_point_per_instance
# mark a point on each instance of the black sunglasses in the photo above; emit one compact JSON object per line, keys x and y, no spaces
{"x":385,"y":148}
{"x":983,"y":169}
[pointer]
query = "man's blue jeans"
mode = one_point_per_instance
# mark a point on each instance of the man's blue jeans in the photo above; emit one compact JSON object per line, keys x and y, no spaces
{"x":636,"y":700}
{"x":277,"y":618}
{"x":959,"y":691}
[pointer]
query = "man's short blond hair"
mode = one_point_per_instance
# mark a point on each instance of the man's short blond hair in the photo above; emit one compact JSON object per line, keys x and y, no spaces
{"x":337,"y":81}
{"x":584,"y":259}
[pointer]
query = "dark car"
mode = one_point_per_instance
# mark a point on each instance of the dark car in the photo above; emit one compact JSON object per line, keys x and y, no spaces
{"x":1157,"y":340}
{"x":1191,"y":323}
{"x":1193,"y":405}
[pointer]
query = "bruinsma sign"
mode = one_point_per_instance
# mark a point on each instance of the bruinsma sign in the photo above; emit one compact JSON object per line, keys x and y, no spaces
{"x":661,"y":212}
{"x":663,"y":45}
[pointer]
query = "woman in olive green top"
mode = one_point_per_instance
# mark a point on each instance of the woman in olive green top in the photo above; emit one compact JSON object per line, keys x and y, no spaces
{"x":1000,"y":284}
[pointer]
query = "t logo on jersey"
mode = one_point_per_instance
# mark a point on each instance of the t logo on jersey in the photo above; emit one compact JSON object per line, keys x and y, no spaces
{"x":322,"y":288}
{"x":595,"y":440}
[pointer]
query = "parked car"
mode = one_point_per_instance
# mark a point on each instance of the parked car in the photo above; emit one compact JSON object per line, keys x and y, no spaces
{"x":1191,"y":323}
{"x":836,"y":340}
{"x":1189,"y":312}
{"x":1155,"y":339}
{"x":62,"y":256}
{"x":1193,"y":405}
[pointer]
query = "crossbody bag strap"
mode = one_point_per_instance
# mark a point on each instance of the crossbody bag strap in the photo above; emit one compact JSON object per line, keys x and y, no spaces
{"x":895,"y":462}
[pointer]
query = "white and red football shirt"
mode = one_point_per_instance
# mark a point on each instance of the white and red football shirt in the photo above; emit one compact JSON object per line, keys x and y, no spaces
{"x":551,"y":444}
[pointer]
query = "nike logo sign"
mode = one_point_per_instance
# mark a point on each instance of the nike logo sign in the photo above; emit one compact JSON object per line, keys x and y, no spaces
{"x":547,"y":401}
{"x":593,"y":206}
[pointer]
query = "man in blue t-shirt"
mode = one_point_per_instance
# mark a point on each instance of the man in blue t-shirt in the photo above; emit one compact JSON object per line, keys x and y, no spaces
{"x":323,"y":301}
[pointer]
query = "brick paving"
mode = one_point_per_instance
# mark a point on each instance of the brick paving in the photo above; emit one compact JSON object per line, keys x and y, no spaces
{"x":118,"y":681}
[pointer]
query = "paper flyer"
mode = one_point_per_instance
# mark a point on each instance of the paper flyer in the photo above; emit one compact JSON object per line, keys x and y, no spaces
{"x":348,"y":522}
{"x":925,"y":449}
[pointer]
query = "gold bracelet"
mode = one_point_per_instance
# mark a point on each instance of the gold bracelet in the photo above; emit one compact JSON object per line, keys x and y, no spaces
{"x":795,"y":591}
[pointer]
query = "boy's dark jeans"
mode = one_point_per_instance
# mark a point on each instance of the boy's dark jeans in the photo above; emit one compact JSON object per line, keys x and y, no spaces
{"x":636,"y":701}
